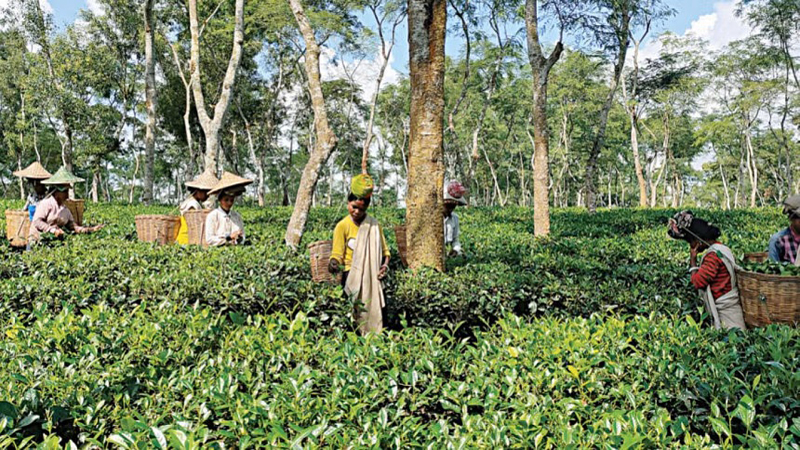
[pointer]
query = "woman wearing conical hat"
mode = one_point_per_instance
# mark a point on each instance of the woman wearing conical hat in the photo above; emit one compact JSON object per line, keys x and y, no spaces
{"x":34,"y":175}
{"x":52,"y":216}
{"x":224,"y":226}
{"x":198,"y":194}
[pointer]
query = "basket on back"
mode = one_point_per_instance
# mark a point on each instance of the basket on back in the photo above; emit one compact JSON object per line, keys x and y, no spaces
{"x":768,"y":299}
{"x":320,"y":253}
{"x":402,"y":245}
{"x":76,"y":207}
{"x":17,"y":226}
{"x":196,"y":226}
{"x":160,"y":229}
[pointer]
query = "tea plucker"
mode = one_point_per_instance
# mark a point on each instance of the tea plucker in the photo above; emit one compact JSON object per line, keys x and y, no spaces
{"x":224,"y":226}
{"x":360,"y":246}
{"x":34,"y":174}
{"x":715,"y":276}
{"x":453,"y":197}
{"x":784,"y":245}
{"x":52,"y":216}
{"x":198,"y":195}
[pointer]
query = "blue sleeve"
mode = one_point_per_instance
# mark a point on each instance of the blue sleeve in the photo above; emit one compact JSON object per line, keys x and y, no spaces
{"x":775,"y":253}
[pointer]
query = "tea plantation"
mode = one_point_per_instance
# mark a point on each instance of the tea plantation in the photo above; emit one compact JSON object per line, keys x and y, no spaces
{"x":592,"y":337}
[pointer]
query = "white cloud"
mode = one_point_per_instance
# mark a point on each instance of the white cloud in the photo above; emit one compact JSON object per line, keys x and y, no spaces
{"x":718,"y":29}
{"x":364,"y":72}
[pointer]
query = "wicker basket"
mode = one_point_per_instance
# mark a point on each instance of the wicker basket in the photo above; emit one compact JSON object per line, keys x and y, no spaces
{"x":320,"y":253}
{"x":756,"y":257}
{"x":400,"y":237}
{"x":76,"y":207}
{"x":196,"y":226}
{"x":768,"y":299}
{"x":17,"y":226}
{"x":160,"y":229}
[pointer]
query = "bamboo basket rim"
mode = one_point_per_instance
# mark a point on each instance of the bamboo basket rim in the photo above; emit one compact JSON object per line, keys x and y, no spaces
{"x":768,"y":276}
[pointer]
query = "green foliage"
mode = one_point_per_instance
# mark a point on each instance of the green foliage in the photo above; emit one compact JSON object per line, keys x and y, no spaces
{"x":590,"y":337}
{"x":773,"y":268}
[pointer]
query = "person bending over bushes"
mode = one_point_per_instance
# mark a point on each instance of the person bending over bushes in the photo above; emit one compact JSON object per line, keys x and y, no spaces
{"x":783,"y":245}
{"x":360,"y":246}
{"x":52,"y":216}
{"x":715,"y":276}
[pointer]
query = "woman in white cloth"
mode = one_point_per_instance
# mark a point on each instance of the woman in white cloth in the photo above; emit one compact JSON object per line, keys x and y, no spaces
{"x":224,"y":226}
{"x":453,"y":197}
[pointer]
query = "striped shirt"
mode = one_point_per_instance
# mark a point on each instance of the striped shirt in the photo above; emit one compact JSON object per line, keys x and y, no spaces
{"x":714,"y":274}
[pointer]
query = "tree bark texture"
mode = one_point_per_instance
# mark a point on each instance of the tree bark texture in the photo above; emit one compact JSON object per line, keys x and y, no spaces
{"x":540,"y":66}
{"x":325,"y":141}
{"x":427,"y":21}
{"x":211,"y":126}
{"x":150,"y":102}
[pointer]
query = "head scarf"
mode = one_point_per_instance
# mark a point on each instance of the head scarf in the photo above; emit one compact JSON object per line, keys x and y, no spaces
{"x":454,"y":192}
{"x":685,"y":226}
{"x":791,"y":206}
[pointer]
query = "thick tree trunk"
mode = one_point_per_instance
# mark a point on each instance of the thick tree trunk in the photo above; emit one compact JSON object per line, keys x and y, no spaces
{"x":95,"y":185}
{"x":150,"y":103}
{"x":212,"y":126}
{"x":325,"y":141}
{"x":540,"y":66}
{"x":427,"y":21}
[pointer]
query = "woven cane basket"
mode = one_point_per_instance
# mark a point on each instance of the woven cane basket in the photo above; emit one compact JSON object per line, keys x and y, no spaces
{"x":756,"y":257}
{"x":17,"y":226}
{"x":320,"y":253}
{"x":196,"y":226}
{"x":76,"y":207}
{"x":160,"y":229}
{"x":400,"y":237}
{"x":768,"y":299}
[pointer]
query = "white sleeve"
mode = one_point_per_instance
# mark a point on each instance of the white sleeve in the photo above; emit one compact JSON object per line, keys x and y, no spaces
{"x":213,"y":236}
{"x":456,"y":232}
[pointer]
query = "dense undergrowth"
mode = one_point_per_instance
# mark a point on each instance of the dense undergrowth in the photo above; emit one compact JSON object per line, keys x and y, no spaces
{"x":590,"y":337}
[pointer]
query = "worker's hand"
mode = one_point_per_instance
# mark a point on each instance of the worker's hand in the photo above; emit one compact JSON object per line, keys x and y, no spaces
{"x":97,"y":228}
{"x":333,"y":266}
{"x":58,"y":233}
{"x":384,"y":270}
{"x":236,"y":235}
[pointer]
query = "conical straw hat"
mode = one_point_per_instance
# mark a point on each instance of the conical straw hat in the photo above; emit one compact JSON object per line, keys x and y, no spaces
{"x":33,"y":172}
{"x":205,"y":181}
{"x":230,"y":182}
{"x":63,"y":176}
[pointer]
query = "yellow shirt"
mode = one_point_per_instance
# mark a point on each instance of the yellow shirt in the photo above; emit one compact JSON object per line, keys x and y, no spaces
{"x":344,"y":242}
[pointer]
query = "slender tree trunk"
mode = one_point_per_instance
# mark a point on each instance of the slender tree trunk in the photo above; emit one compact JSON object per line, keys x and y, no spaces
{"x":326,"y":140}
{"x":540,"y":67}
{"x":600,"y":135}
{"x":21,"y":183}
{"x":95,"y":185}
{"x":427,"y":22}
{"x":725,"y":188}
{"x":150,"y":102}
{"x":211,"y":126}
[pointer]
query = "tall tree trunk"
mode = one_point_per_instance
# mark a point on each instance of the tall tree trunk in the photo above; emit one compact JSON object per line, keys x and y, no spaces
{"x":21,"y":183}
{"x":427,"y":22}
{"x":325,"y":141}
{"x":95,"y":185}
{"x":150,"y":103}
{"x":600,"y":135}
{"x":211,"y":126}
{"x":540,"y":66}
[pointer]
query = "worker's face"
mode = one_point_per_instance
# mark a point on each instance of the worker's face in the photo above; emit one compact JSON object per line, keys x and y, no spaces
{"x":226,"y":202}
{"x":795,"y":224}
{"x":449,"y":207}
{"x":39,"y":188}
{"x":357,"y":210}
{"x":200,"y":195}
{"x":61,"y":196}
{"x":697,"y":244}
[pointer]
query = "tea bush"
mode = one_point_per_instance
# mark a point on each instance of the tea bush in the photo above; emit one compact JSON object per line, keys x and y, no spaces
{"x":591,"y":337}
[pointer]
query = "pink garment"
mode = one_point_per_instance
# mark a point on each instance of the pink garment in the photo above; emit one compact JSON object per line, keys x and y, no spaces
{"x":50,"y":217}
